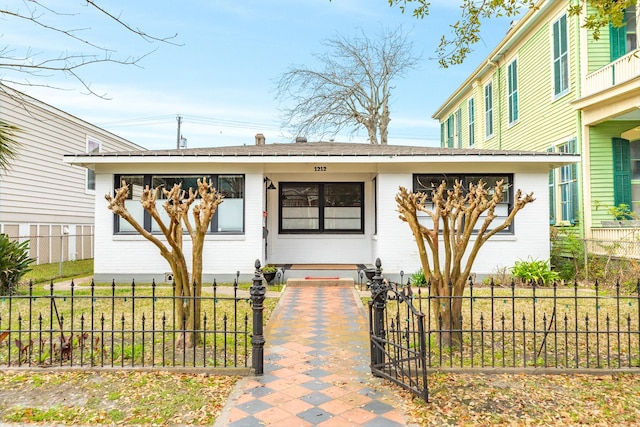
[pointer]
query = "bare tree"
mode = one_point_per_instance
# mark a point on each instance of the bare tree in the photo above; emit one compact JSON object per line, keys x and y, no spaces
{"x":38,"y":15}
{"x":455,"y":215}
{"x":177,"y":205}
{"x":466,"y":31}
{"x":353,"y":88}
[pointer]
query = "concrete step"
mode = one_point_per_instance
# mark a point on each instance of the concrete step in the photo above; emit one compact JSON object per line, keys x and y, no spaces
{"x":320,"y":281}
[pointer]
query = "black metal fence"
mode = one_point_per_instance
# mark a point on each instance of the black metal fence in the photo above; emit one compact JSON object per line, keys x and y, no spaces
{"x":556,"y":328}
{"x":133,"y":326}
{"x":397,"y":334}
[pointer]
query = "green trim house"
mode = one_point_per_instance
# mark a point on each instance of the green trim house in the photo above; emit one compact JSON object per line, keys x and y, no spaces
{"x":549,"y":86}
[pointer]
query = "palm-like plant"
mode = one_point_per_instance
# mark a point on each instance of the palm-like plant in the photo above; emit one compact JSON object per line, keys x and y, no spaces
{"x":8,"y":145}
{"x":14,"y":263}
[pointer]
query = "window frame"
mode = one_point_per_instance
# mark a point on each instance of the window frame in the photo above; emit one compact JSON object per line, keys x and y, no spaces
{"x":464,"y":177}
{"x":459,"y":127}
{"x":563,"y":187}
{"x":321,"y":230}
{"x":512,"y":92}
{"x":148,"y":221}
{"x":624,"y":39}
{"x":472,"y":121}
{"x":488,"y":110}
{"x":90,"y":175}
{"x":450,"y":130}
{"x":560,"y":57}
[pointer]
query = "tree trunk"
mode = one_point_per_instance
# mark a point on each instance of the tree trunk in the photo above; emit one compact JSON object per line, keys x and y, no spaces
{"x":186,"y":307}
{"x":447,"y":313}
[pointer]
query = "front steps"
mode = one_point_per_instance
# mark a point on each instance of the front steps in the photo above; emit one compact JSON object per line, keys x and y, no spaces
{"x":319,"y":281}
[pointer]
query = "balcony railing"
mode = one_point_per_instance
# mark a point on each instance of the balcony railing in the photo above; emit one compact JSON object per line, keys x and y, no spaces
{"x":619,"y":242}
{"x":614,"y":73}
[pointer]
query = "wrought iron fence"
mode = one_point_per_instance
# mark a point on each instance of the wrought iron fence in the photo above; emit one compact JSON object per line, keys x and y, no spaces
{"x":533,"y":327}
{"x":133,"y":326}
{"x":397,"y":335}
{"x":561,"y":329}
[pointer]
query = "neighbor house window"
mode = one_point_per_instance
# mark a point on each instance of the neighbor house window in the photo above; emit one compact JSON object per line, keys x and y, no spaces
{"x":428,"y":183}
{"x":472,"y":122}
{"x":488,"y":110}
{"x":93,"y":146}
{"x":321,"y":207}
{"x":626,"y":173}
{"x":512,"y":76}
{"x":459,"y":128}
{"x":624,"y":39}
{"x":229,"y":216}
{"x":450,"y":127}
{"x":560,"y":57}
{"x":563,"y":188}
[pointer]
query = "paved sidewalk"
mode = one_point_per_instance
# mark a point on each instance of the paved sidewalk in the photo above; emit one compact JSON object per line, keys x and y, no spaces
{"x":316,"y":367}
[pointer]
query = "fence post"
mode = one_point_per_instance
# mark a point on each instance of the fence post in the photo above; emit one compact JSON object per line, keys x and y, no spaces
{"x":379,"y":298}
{"x":257,"y":293}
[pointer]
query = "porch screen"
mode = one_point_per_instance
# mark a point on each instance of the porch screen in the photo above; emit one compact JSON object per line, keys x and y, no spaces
{"x":330,"y":207}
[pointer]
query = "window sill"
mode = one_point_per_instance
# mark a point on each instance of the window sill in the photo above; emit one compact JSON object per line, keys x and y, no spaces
{"x":209,"y":237}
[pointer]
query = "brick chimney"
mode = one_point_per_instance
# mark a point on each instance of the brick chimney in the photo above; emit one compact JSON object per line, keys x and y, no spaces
{"x":260,"y":140}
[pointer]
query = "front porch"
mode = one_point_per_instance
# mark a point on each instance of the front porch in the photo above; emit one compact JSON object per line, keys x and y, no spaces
{"x":618,"y":242}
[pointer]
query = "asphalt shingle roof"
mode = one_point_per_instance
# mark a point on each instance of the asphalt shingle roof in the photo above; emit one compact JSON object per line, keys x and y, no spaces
{"x":328,"y":149}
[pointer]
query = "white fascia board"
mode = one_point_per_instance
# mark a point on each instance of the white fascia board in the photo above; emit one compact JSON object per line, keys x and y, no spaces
{"x":89,"y":161}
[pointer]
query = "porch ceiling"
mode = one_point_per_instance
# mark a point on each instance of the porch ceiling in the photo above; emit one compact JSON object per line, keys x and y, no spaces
{"x":634,"y":133}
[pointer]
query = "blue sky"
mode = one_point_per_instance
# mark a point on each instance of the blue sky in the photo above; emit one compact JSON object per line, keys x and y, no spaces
{"x":221,"y":78}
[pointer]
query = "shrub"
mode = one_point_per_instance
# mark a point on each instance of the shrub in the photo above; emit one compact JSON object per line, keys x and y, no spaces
{"x":622,"y":212}
{"x":537,"y":271}
{"x":418,"y":279}
{"x":14,"y":263}
{"x":269,"y":269}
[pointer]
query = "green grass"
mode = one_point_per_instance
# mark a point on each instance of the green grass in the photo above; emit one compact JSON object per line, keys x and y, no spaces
{"x":44,"y":273}
{"x":114,"y":320}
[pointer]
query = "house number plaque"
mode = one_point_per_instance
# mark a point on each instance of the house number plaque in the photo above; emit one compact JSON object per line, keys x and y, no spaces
{"x":320,"y":168}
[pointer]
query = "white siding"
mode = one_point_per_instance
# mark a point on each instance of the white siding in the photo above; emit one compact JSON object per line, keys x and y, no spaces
{"x":39,"y":187}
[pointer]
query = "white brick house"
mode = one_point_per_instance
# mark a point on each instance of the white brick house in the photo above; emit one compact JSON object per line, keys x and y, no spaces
{"x":322,"y":203}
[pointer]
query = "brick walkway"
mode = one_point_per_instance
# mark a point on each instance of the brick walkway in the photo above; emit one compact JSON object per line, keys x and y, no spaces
{"x":316,"y":367}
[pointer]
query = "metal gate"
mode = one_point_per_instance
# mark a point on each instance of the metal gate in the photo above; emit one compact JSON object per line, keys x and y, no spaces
{"x":397,"y":336}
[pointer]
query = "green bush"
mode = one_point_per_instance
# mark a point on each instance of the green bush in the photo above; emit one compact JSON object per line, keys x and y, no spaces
{"x":533,"y":270}
{"x":418,"y":279}
{"x":14,"y":263}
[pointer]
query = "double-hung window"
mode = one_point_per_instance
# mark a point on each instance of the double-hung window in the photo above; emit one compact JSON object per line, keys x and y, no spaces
{"x":560,"y":57}
{"x":512,"y":76}
{"x":624,"y":39}
{"x":93,"y":146}
{"x":563,"y":188}
{"x":450,"y":127}
{"x":488,"y":110}
{"x":428,"y":183}
{"x":229,"y":216}
{"x":472,"y":122}
{"x":459,"y":128}
{"x":321,"y":207}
